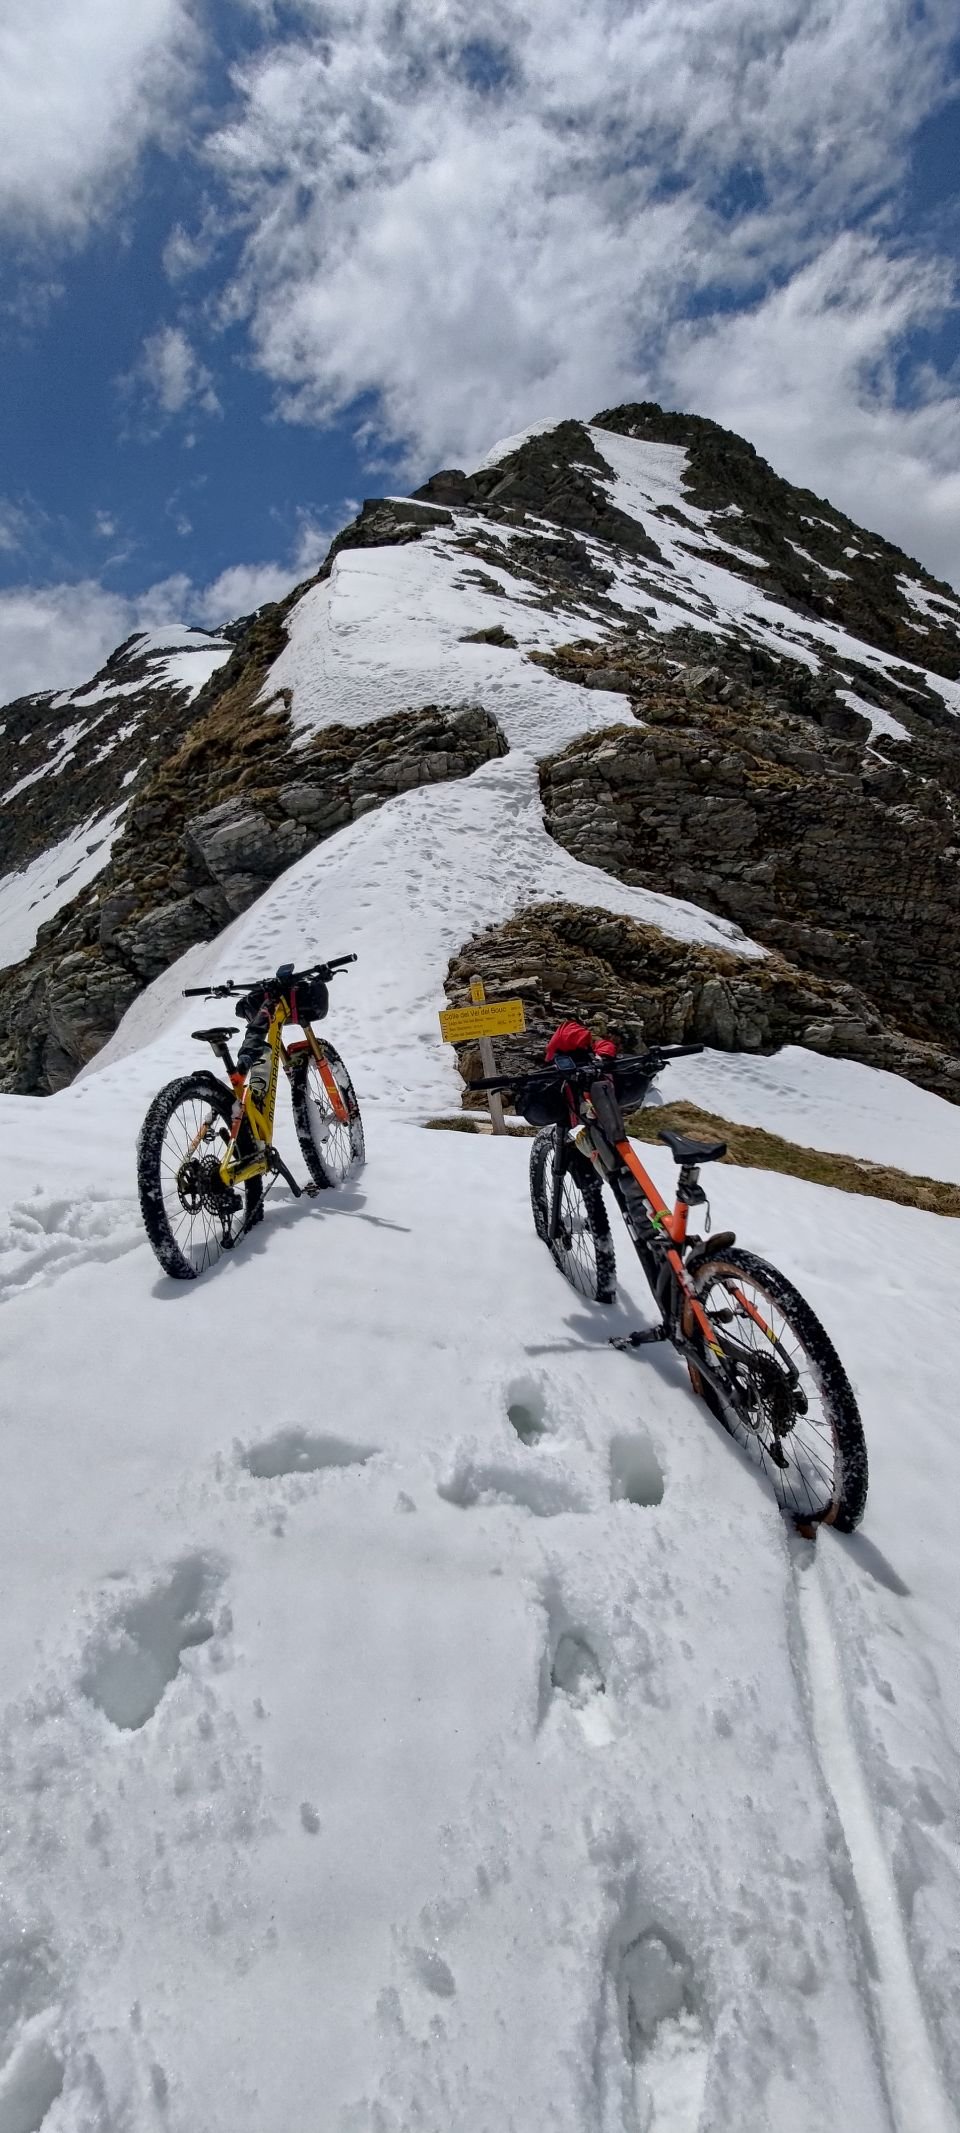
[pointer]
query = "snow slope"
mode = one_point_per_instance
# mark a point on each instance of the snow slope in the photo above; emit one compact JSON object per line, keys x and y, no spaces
{"x":415,"y":1714}
{"x":32,"y":894}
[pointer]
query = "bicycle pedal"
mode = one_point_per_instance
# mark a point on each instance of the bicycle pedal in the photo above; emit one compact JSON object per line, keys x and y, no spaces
{"x":312,"y":1191}
{"x":641,"y":1339}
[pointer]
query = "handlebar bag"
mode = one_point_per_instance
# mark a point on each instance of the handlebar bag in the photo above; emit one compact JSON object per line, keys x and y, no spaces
{"x":631,"y":1084}
{"x":309,"y":1001}
{"x":543,"y":1105}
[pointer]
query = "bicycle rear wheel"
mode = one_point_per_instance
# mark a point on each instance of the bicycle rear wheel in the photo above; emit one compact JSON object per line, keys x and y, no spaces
{"x":332,"y":1147}
{"x":583,"y":1247}
{"x":806,"y":1436}
{"x":189,"y":1215}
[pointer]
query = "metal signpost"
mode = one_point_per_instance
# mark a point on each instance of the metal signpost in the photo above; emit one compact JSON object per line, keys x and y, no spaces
{"x":484,"y":1021}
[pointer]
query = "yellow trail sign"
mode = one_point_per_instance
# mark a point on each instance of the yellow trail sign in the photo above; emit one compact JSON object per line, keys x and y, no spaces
{"x":499,"y":1018}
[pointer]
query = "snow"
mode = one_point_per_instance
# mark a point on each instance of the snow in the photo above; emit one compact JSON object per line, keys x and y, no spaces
{"x":834,"y":1104}
{"x":405,"y":887}
{"x":506,"y":445}
{"x":293,"y":1810}
{"x":384,"y":632}
{"x":179,"y":658}
{"x":880,"y":721}
{"x":935,"y":606}
{"x":32,"y":894}
{"x":65,"y":744}
{"x":101,"y":692}
{"x":192,"y":670}
{"x":174,"y":637}
{"x":814,"y":560}
{"x":415,"y":1716}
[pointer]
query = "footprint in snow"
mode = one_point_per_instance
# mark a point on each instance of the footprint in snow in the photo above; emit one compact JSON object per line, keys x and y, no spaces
{"x":635,"y":1472}
{"x":527,"y":1411}
{"x":294,"y":1451}
{"x":31,"y":2072}
{"x":480,"y":1483}
{"x":662,"y":2034}
{"x":572,"y":1672}
{"x":133,"y":1660}
{"x":49,"y":1237}
{"x":30,"y":2083}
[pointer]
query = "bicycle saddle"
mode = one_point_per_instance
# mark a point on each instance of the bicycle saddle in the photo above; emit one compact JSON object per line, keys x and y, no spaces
{"x":215,"y":1036}
{"x":685,"y":1151}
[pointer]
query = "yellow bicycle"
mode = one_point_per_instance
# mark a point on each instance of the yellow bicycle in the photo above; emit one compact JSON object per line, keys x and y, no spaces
{"x":205,"y":1147}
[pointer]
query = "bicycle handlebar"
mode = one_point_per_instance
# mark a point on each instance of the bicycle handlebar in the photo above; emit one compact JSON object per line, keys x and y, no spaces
{"x":285,"y":975}
{"x":650,"y":1061}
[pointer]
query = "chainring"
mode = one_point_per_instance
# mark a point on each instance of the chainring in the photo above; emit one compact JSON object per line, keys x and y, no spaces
{"x":200,"y":1186}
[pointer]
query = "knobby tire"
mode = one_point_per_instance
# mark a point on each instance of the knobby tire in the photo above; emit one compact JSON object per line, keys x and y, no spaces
{"x":588,"y":1262}
{"x":186,"y":1249}
{"x":837,"y":1467}
{"x":332,"y":1151}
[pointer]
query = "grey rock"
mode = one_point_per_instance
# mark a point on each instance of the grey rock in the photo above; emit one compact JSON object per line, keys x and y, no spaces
{"x":115,"y":909}
{"x":159,"y":938}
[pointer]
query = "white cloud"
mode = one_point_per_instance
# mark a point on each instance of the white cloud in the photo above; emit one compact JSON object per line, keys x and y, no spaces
{"x":476,"y":211}
{"x":13,"y":526}
{"x":239,"y":590}
{"x":56,"y":636}
{"x":808,"y":375}
{"x":171,"y":377}
{"x":83,"y":88}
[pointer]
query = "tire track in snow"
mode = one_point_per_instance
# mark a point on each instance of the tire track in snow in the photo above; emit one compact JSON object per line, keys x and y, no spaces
{"x":918,"y":2100}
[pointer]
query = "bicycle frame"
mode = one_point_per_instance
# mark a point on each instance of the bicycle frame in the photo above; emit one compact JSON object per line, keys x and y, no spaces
{"x":233,"y":1170}
{"x":676,"y":1298}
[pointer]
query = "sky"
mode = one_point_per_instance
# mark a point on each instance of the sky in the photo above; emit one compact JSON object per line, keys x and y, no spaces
{"x":262,"y":258}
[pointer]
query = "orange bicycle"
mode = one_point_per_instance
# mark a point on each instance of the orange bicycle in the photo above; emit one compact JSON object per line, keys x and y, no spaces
{"x":205,"y":1147}
{"x":754,"y":1349}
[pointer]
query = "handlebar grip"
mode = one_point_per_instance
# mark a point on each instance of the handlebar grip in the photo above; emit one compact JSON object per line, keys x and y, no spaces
{"x":679,"y":1051}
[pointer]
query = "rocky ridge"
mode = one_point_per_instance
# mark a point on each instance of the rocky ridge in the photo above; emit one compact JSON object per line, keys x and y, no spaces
{"x":766,"y":767}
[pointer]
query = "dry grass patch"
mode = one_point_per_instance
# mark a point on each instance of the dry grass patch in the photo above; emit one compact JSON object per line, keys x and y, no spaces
{"x":753,"y":1148}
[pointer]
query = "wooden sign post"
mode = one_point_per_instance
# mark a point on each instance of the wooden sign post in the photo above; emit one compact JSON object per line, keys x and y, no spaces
{"x":488,"y":1062}
{"x":482,"y":1022}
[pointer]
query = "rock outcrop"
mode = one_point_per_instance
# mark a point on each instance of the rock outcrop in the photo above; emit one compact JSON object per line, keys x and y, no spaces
{"x":764,"y":805}
{"x":641,"y":986}
{"x":184,"y":867}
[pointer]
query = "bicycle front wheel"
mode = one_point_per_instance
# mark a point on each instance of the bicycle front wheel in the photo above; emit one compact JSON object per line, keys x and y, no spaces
{"x":189,"y":1215}
{"x":583,"y":1247}
{"x":332,"y":1146}
{"x":791,"y":1406}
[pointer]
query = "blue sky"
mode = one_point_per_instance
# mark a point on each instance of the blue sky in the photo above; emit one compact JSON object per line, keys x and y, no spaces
{"x":259,"y":260}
